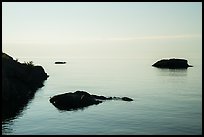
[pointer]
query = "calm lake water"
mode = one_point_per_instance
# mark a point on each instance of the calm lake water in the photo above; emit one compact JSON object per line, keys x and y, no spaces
{"x":165,"y":101}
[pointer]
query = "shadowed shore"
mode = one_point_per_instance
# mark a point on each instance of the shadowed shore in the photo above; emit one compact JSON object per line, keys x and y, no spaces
{"x":20,"y":81}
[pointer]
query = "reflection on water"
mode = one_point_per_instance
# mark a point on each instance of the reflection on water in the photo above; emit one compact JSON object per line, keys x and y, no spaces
{"x":11,"y":115}
{"x":171,"y":72}
{"x":14,"y":112}
{"x":6,"y":126}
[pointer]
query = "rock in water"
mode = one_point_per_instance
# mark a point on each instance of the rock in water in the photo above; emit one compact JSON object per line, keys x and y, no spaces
{"x":72,"y":101}
{"x":60,"y":62}
{"x":126,"y":99}
{"x":79,"y":100}
{"x":172,"y":64}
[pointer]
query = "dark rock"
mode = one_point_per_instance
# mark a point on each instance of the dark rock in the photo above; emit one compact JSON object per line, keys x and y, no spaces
{"x":127,"y":99}
{"x":172,"y":64}
{"x":19,"y":84}
{"x":59,"y":62}
{"x":79,"y":100}
{"x":71,"y":101}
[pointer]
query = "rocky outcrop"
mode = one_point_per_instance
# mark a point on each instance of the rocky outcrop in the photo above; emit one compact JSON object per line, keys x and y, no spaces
{"x":172,"y":64}
{"x":19,"y":84}
{"x":79,"y":100}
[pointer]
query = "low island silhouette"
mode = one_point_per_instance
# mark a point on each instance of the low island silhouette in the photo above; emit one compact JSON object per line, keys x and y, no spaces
{"x":172,"y":64}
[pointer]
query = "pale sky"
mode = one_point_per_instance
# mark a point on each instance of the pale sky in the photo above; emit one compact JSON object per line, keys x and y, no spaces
{"x":61,"y":26}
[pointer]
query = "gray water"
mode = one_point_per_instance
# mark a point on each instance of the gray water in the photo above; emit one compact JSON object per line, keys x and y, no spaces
{"x":165,"y":101}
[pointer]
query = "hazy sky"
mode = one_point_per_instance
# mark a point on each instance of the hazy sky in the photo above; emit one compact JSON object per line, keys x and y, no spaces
{"x":57,"y":28}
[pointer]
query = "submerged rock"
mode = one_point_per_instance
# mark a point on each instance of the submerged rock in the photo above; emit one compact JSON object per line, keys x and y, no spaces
{"x":172,"y":64}
{"x":19,"y":84}
{"x":79,"y":100}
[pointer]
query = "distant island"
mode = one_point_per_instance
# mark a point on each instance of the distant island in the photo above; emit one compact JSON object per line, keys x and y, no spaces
{"x":19,"y":84}
{"x":60,"y":62}
{"x":172,"y":64}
